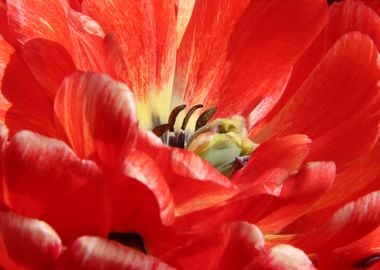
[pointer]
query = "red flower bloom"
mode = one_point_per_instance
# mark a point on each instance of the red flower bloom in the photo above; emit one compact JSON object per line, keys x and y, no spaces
{"x":98,"y":145}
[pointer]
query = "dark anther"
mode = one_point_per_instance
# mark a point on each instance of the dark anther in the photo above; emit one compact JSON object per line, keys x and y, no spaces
{"x":367,"y":262}
{"x":189,"y":114}
{"x":178,"y":140}
{"x":173,"y":116}
{"x":240,"y":162}
{"x":204,"y":118}
{"x":130,"y":239}
{"x":160,"y":130}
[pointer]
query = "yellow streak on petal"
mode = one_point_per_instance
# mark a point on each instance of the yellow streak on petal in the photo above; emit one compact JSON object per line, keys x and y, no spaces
{"x":158,"y":104}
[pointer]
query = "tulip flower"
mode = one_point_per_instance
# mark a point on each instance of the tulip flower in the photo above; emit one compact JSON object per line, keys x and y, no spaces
{"x":181,"y":134}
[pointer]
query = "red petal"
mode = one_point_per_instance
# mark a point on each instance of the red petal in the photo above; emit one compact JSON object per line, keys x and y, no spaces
{"x":87,"y":43}
{"x":94,"y":253}
{"x":232,"y":246}
{"x":373,"y":4}
{"x":362,"y":174}
{"x":140,"y":195}
{"x":344,"y":17}
{"x":351,"y":222}
{"x":147,"y":34}
{"x":3,"y":189}
{"x":98,"y":116}
{"x":272,"y":162}
{"x":47,"y":181}
{"x":184,"y":12}
{"x":351,"y":139}
{"x":49,"y":62}
{"x":31,"y":109}
{"x":76,"y":4}
{"x":236,"y":246}
{"x":218,"y":57}
{"x":39,"y":19}
{"x":282,"y":257}
{"x":193,"y":182}
{"x":5,"y":32}
{"x":272,"y":213}
{"x":360,"y":254}
{"x":27,"y":242}
{"x":316,"y":108}
{"x":299,"y":194}
{"x":51,"y":20}
{"x":50,"y":68}
{"x":6,"y":50}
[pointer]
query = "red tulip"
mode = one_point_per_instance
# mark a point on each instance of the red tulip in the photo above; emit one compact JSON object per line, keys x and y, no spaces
{"x":272,"y":163}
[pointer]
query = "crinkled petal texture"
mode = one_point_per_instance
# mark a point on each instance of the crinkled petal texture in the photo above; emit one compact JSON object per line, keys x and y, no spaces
{"x":98,"y":117}
{"x":278,"y":192}
{"x":27,"y":242}
{"x":363,"y":253}
{"x":43,"y":178}
{"x":88,"y":253}
{"x":351,"y":222}
{"x":236,"y":246}
{"x":80,"y":35}
{"x":73,"y":40}
{"x":351,"y":142}
{"x":76,"y":159}
{"x":200,"y":185}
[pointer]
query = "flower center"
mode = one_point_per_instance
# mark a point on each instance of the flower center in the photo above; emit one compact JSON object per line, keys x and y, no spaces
{"x":224,"y":142}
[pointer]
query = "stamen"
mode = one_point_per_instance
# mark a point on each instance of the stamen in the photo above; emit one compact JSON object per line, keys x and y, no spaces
{"x":205,"y":117}
{"x":177,"y":140}
{"x":160,"y":130}
{"x":189,"y":114}
{"x":173,"y":116}
{"x":181,"y":137}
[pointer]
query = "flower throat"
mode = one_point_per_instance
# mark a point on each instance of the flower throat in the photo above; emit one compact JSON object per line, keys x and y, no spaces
{"x":224,"y":142}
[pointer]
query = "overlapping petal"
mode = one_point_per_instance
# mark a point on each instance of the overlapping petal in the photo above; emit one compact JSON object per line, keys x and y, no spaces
{"x":351,"y":222}
{"x":353,"y":59}
{"x":98,"y":117}
{"x":29,"y":20}
{"x":200,"y":185}
{"x":27,"y":242}
{"x":33,"y":113}
{"x":142,"y":187}
{"x":363,"y":253}
{"x":294,"y":197}
{"x":46,"y":180}
{"x":145,"y":43}
{"x":102,"y":174}
{"x":218,"y":57}
{"x":78,"y":34}
{"x":236,"y":246}
{"x":344,"y":18}
{"x":272,"y":162}
{"x":96,"y":253}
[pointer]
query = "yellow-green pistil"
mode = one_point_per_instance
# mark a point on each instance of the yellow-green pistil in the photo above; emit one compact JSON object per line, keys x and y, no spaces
{"x":224,"y":143}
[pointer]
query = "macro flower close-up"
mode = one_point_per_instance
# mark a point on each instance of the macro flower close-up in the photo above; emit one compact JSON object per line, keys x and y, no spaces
{"x":189,"y":134}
